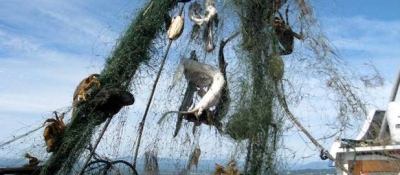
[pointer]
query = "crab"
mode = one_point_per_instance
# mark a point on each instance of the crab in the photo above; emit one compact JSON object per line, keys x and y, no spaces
{"x":219,"y":170}
{"x":285,"y":33}
{"x":83,"y":87}
{"x":52,"y":133}
{"x":33,"y":161}
{"x":231,"y":169}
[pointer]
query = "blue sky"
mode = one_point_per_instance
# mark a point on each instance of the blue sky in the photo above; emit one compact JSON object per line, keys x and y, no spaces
{"x":386,"y":11}
{"x":47,"y":47}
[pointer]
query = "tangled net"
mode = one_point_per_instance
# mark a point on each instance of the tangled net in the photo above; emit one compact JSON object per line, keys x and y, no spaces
{"x":249,"y":120}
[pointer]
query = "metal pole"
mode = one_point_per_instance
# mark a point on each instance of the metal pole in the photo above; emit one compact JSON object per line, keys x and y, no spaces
{"x":395,"y":87}
{"x":392,"y":98}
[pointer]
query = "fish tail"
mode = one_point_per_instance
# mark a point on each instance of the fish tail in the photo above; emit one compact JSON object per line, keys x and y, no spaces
{"x":165,"y":115}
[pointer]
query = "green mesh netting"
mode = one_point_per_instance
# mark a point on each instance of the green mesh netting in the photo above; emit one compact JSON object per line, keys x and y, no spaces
{"x":132,"y":50}
{"x":249,"y":121}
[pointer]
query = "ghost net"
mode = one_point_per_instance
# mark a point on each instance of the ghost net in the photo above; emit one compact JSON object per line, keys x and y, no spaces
{"x":232,"y":56}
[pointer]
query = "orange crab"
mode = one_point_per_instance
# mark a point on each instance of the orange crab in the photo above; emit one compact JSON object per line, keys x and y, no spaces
{"x":52,"y":133}
{"x":231,"y":169}
{"x":33,"y":161}
{"x":219,"y":170}
{"x":84,"y":86}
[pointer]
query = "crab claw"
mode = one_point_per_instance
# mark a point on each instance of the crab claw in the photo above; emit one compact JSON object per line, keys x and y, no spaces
{"x":96,"y":79}
{"x":50,"y":120}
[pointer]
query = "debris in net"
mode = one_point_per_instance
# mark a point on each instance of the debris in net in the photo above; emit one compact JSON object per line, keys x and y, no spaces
{"x":211,"y":98}
{"x":111,"y":100}
{"x":151,"y":163}
{"x":276,"y":67}
{"x":186,"y":104}
{"x":221,"y":108}
{"x":175,"y":28}
{"x":196,"y":16}
{"x":224,"y":101}
{"x":210,"y":14}
{"x":194,"y":158}
{"x":187,"y":101}
{"x":238,"y":127}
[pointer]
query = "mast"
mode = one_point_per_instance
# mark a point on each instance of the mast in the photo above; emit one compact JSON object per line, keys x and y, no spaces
{"x":392,"y":98}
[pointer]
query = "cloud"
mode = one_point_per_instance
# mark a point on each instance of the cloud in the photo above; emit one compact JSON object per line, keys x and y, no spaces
{"x":63,"y":26}
{"x":359,"y":38}
{"x":47,"y":47}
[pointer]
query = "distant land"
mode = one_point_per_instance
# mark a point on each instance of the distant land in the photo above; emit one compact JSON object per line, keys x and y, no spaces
{"x":312,"y":168}
{"x":168,"y":165}
{"x":312,"y":165}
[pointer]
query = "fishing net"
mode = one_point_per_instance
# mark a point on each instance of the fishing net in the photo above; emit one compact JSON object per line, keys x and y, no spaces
{"x":264,"y":63}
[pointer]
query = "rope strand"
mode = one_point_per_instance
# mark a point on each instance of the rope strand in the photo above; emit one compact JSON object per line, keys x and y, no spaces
{"x":20,"y":136}
{"x":301,"y":127}
{"x":141,"y":125}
